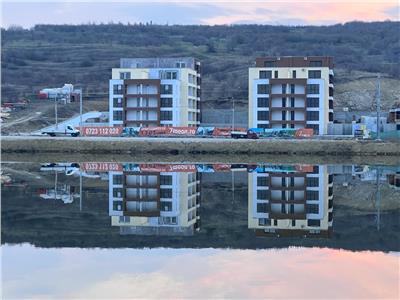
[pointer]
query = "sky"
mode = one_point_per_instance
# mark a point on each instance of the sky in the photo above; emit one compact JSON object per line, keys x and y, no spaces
{"x":202,"y":12}
{"x":301,"y":273}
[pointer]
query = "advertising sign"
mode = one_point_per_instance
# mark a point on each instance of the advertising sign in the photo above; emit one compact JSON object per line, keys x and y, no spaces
{"x":101,"y":166}
{"x":101,"y":131}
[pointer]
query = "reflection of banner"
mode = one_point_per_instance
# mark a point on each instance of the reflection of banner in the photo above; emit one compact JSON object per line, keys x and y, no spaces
{"x":222,"y":167}
{"x":101,"y":131}
{"x":101,"y":166}
{"x":131,"y":131}
{"x":181,"y":130}
{"x":157,"y":168}
{"x":304,"y":132}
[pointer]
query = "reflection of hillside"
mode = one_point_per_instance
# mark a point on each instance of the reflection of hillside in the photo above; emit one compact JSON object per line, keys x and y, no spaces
{"x":360,"y":197}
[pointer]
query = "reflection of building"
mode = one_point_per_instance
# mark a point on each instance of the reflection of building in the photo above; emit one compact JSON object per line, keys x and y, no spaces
{"x":394,"y":115}
{"x":394,"y":180}
{"x":154,"y":203}
{"x":288,"y":204}
{"x":291,"y":92}
{"x":155,"y":91}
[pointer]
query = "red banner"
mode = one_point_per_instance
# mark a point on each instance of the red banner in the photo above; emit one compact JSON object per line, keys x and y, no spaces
{"x":147,"y":131}
{"x":101,"y":131}
{"x":101,"y":166}
{"x":304,"y":168}
{"x":222,"y":167}
{"x":226,"y":131}
{"x":181,"y":130}
{"x":304,"y":132}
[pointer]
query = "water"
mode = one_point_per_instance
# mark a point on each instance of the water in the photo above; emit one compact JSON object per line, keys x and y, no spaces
{"x":156,"y":230}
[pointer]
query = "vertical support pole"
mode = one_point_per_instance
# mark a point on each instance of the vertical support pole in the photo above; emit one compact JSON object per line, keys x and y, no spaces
{"x":80,"y":111}
{"x":378,"y":109}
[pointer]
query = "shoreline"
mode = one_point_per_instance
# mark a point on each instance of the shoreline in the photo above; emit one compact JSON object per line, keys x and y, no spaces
{"x":194,"y":147}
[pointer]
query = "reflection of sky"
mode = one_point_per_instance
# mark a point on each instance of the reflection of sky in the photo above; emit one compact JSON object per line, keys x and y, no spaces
{"x":197,"y":273}
{"x":287,"y":12}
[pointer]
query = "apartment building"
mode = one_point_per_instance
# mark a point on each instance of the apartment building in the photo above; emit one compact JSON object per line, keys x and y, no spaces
{"x":155,"y":203}
{"x":291,"y":203}
{"x":291,"y":92}
{"x":150,"y":92}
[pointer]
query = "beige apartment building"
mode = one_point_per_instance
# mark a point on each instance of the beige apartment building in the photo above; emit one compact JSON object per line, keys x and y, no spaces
{"x":148,"y":92}
{"x":291,"y":92}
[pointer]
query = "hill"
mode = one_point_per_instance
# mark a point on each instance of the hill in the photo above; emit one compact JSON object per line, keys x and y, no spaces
{"x":51,"y":55}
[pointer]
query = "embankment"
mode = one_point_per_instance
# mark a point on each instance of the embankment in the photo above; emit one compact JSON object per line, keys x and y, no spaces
{"x":194,"y":146}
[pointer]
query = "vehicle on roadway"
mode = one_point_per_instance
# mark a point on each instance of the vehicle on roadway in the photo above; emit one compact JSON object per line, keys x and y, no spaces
{"x":68,"y":130}
{"x":68,"y":168}
{"x":249,"y":134}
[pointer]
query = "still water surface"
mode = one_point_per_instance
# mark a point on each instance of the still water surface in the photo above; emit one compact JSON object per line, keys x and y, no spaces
{"x":153,"y":230}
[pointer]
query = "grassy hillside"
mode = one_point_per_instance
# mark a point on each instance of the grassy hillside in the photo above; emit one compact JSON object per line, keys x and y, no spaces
{"x":50,"y":55}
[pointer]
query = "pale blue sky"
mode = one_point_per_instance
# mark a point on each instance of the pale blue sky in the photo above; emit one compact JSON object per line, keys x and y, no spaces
{"x":285,"y":12}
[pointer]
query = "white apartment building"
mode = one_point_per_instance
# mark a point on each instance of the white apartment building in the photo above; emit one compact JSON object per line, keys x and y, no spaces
{"x":291,"y":92}
{"x":150,"y":92}
{"x":293,"y":203}
{"x":163,"y":203}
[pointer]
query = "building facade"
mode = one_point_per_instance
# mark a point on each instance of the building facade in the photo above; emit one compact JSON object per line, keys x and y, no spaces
{"x":155,"y":203}
{"x":291,"y":92}
{"x":148,"y":92}
{"x":291,"y":203}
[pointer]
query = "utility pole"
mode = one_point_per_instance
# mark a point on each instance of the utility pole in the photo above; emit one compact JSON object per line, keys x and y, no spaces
{"x":233,"y":113}
{"x":80,"y":110}
{"x":378,"y":108}
{"x":80,"y":190}
{"x":55,"y":110}
{"x":378,"y":199}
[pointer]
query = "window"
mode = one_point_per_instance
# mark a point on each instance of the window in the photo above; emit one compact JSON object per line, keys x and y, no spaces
{"x":117,"y":179}
{"x":124,"y":75}
{"x":117,"y":89}
{"x":165,"y":193}
{"x":261,"y":181}
{"x":292,"y":115}
{"x":166,"y":102}
{"x":117,"y":205}
{"x":265,"y":74}
{"x":261,"y":194}
{"x":124,"y":219}
{"x":314,"y":223}
{"x":292,"y":102}
{"x":312,"y":195}
{"x":283,"y":115}
{"x":283,"y":88}
{"x":117,"y":115}
{"x":293,"y":223}
{"x":294,"y":73}
{"x":292,"y":88}
{"x":117,"y":102}
{"x":262,"y":102}
{"x":166,"y":206}
{"x":169,"y":75}
{"x":263,"y":115}
{"x":312,"y":88}
{"x":312,"y":181}
{"x":314,"y":127}
{"x":180,"y":65}
{"x":166,"y":89}
{"x":264,"y":222}
{"x":283,"y":102}
{"x":315,"y":63}
{"x":312,"y":102}
{"x":315,"y":169}
{"x":312,"y":208}
{"x":262,"y":126}
{"x":166,"y":115}
{"x":165,"y":179}
{"x":261,"y":207}
{"x":262,"y":89}
{"x":312,"y":115}
{"x":314,"y":74}
{"x":269,"y":64}
{"x":276,"y":74}
{"x":117,"y":193}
